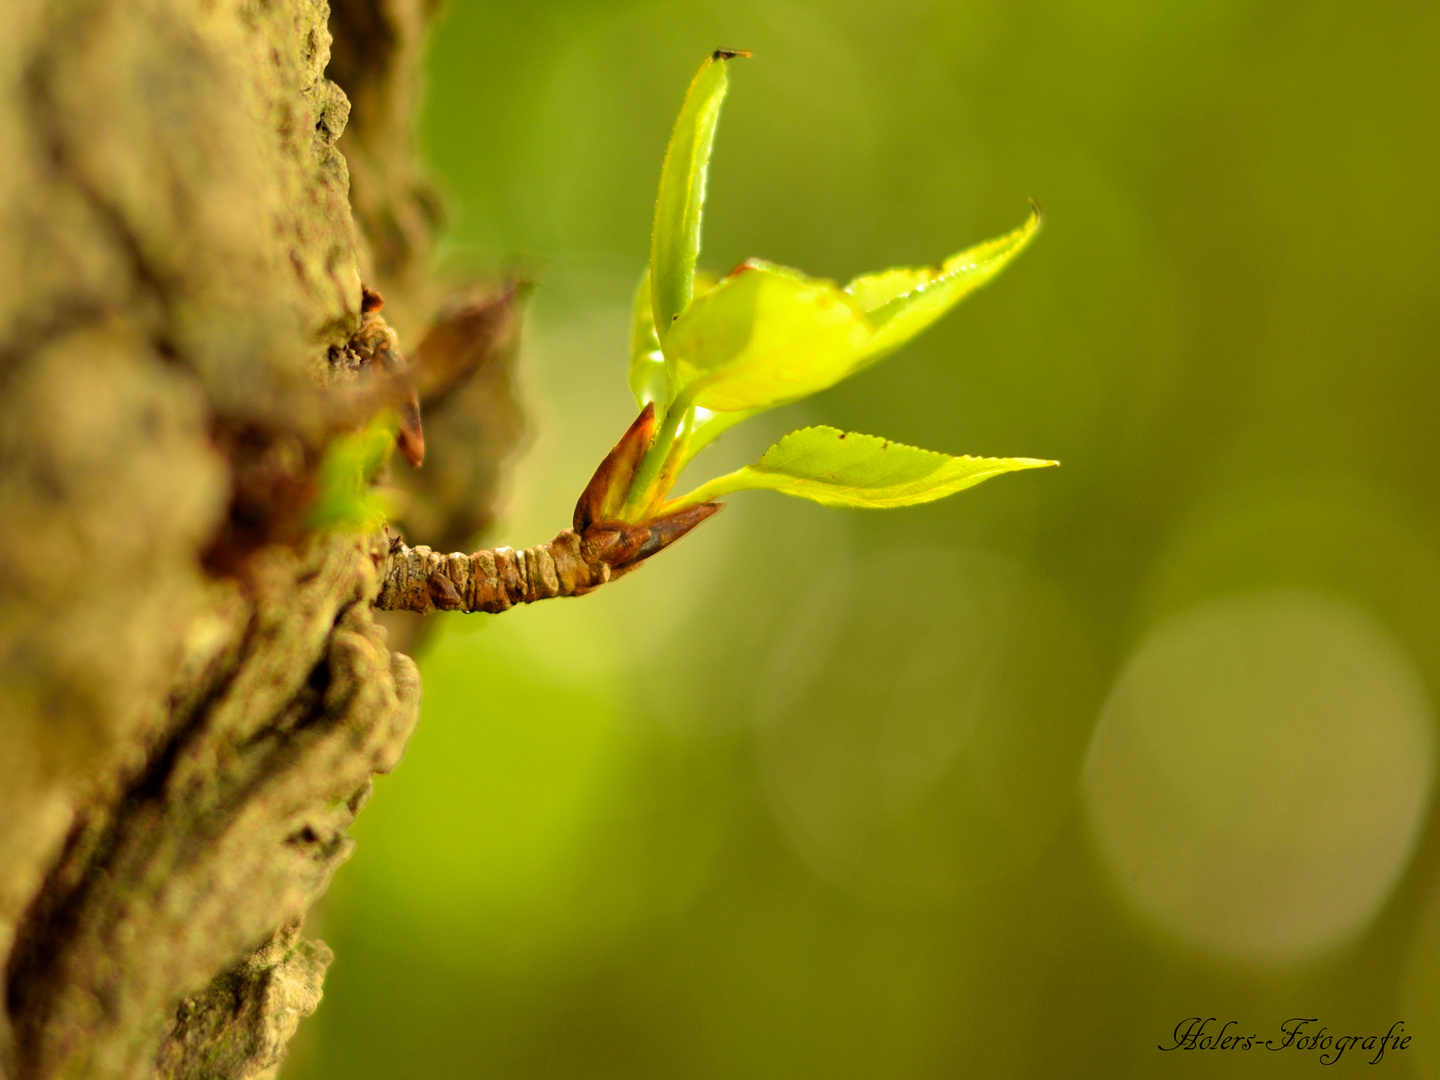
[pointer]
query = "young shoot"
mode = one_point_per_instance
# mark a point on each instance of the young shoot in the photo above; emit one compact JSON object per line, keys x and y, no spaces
{"x":707,"y":353}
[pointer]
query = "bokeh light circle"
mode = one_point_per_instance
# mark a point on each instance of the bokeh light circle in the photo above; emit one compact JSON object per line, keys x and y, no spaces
{"x":1259,"y":774}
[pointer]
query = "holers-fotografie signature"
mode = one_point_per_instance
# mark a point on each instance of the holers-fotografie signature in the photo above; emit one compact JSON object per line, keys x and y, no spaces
{"x":1297,"y":1033}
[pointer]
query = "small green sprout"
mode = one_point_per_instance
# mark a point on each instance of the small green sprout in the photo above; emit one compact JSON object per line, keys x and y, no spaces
{"x":708,"y":353}
{"x":346,"y":499}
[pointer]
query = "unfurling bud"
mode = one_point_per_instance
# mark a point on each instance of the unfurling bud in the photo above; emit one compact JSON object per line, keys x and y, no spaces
{"x":605,"y":494}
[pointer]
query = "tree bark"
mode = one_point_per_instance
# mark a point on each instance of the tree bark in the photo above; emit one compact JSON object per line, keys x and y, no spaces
{"x":194,"y":692}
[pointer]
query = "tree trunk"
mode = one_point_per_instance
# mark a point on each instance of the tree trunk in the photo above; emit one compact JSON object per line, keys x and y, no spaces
{"x":194,"y":692}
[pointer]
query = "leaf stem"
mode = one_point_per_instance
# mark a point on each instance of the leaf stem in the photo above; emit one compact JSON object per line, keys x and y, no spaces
{"x":676,"y":458}
{"x":645,"y":485}
{"x":708,"y":491}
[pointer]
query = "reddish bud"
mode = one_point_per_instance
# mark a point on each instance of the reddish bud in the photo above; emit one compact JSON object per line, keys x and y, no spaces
{"x":624,"y":547}
{"x":604,"y":495}
{"x":664,"y":531}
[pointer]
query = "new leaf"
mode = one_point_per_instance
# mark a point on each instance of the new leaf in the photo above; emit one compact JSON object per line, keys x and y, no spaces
{"x":768,"y":334}
{"x":647,"y":362}
{"x":345,"y":499}
{"x":764,"y":336}
{"x":838,"y":468}
{"x":675,"y":242}
{"x":902,"y":302}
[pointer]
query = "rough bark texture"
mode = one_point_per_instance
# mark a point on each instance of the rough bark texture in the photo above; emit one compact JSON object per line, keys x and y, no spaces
{"x":192,"y":702}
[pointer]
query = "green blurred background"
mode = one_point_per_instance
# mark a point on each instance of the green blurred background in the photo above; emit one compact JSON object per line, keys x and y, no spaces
{"x":1003,"y":786}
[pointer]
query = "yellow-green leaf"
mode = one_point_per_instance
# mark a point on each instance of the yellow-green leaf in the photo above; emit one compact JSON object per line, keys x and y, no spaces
{"x":647,"y":362}
{"x":763,"y":336}
{"x":768,"y":334}
{"x":838,"y":468}
{"x":902,"y":302}
{"x":675,"y":242}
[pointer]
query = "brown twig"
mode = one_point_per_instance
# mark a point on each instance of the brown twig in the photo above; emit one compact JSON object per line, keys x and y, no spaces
{"x":494,"y":580}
